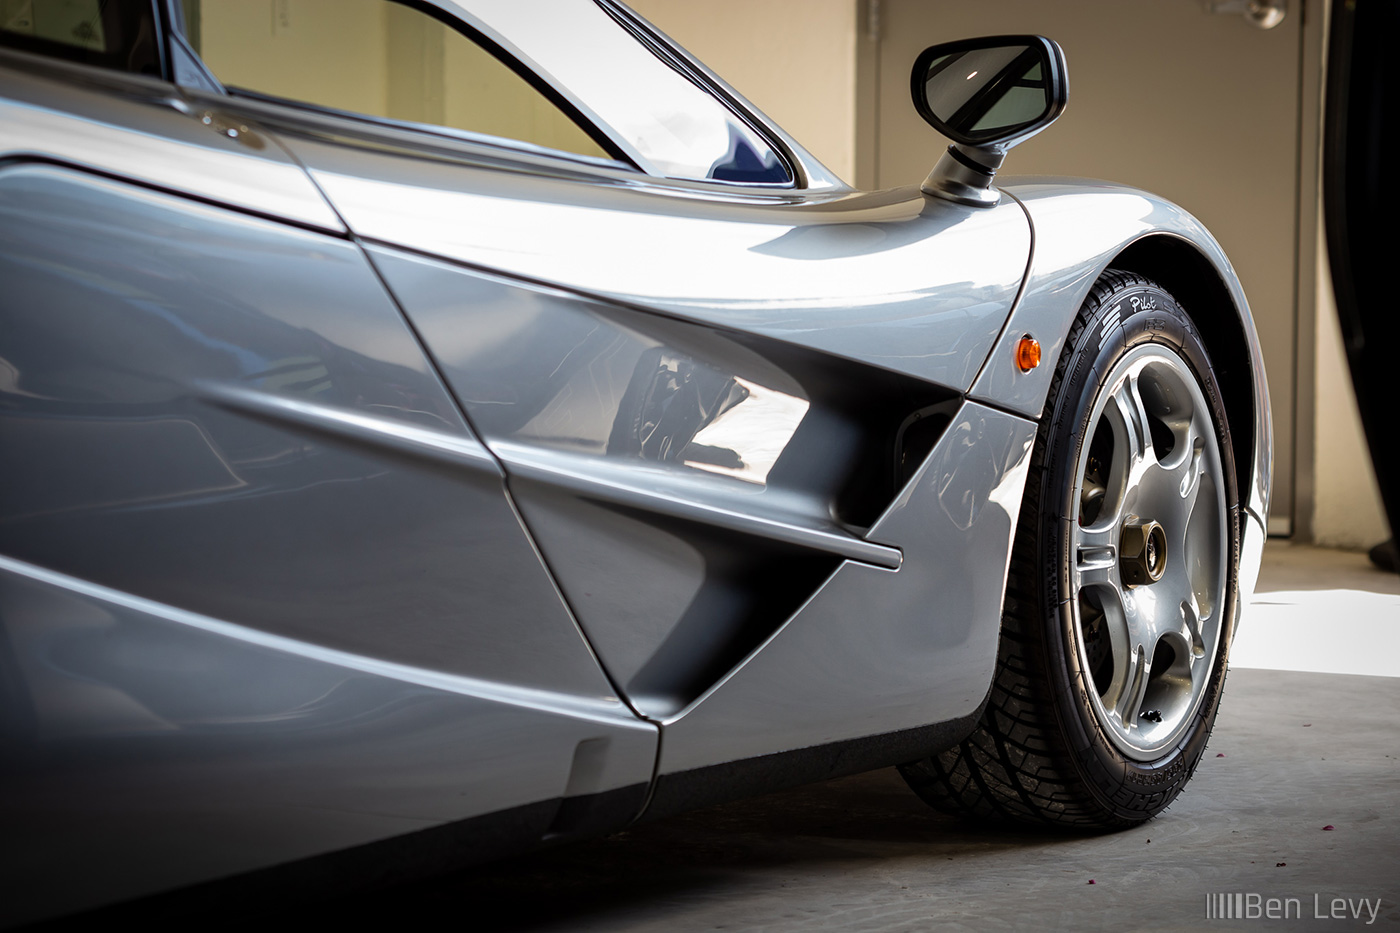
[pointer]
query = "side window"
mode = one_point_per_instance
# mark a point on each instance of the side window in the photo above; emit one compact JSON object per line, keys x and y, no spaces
{"x":379,"y":58}
{"x":671,"y":121}
{"x":120,"y":36}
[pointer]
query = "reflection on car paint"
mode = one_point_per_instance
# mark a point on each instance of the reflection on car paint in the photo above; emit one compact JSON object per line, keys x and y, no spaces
{"x":679,"y":409}
{"x":168,"y":359}
{"x":149,"y":134}
{"x":944,"y":277}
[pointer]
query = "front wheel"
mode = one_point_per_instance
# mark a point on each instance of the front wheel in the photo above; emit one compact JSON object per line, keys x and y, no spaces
{"x":1122,"y":586}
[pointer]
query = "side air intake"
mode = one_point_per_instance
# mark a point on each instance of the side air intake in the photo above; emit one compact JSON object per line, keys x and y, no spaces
{"x":689,"y":488}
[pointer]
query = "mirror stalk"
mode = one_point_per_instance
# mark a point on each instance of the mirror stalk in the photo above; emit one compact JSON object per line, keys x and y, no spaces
{"x":964,"y":175}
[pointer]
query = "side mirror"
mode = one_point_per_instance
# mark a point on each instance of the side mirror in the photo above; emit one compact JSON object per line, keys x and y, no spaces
{"x":986,"y":95}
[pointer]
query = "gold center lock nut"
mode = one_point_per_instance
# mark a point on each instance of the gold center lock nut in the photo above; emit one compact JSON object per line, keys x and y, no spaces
{"x":1142,"y":549}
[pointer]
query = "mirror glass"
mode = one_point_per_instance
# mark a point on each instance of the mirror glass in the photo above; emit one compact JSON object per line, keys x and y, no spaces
{"x":988,"y":93}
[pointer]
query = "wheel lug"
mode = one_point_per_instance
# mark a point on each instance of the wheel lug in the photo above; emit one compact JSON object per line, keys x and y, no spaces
{"x":1143,"y":553}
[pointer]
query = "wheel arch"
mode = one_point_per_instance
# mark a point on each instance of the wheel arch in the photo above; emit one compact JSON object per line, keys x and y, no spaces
{"x":1082,"y":228}
{"x":1182,"y":269}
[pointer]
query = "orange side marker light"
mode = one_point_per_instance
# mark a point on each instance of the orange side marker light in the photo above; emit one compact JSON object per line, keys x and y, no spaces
{"x":1027,"y":353}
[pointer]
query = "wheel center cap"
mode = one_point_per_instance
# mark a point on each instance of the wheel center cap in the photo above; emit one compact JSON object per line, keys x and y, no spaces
{"x":1142,"y":547}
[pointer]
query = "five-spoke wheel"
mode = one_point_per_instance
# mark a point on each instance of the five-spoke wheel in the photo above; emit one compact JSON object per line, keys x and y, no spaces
{"x":1147,"y":549}
{"x":1121,"y":593}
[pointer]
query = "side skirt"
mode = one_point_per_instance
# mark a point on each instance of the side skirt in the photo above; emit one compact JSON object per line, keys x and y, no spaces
{"x":749,"y":777}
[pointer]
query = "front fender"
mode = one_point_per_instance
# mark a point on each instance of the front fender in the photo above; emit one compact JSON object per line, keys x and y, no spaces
{"x":1079,"y":229}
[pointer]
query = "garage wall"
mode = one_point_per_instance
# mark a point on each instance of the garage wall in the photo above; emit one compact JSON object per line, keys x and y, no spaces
{"x":1347,"y":502}
{"x":298,"y":47}
{"x":793,"y":59}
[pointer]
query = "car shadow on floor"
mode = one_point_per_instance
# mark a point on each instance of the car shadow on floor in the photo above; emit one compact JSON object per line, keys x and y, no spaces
{"x":695,"y":856}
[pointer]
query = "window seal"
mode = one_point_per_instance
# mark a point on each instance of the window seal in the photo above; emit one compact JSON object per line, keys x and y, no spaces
{"x":677,"y":61}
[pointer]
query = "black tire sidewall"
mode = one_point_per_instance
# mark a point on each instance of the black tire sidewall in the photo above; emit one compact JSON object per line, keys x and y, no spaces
{"x":1128,"y":315}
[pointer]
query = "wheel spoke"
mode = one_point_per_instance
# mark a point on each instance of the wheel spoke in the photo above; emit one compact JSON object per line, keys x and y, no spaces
{"x":1190,"y":486}
{"x":1096,"y":558}
{"x":1120,"y":640}
{"x":1193,"y":628}
{"x":1128,"y":703}
{"x":1160,"y":605}
{"x":1187,"y":470}
{"x":1130,"y":422}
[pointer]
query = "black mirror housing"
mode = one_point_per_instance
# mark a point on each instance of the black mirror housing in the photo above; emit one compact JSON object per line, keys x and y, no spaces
{"x":986,"y":95}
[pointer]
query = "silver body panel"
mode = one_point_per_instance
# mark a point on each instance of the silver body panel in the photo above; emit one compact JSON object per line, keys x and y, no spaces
{"x":837,"y":273}
{"x":148,"y":131}
{"x":127,"y":446}
{"x":148,"y":748}
{"x":838,"y":670}
{"x":230,"y":487}
{"x":537,"y":481}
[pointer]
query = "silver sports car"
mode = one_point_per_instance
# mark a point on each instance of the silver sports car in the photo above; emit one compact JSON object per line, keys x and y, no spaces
{"x":452,"y":426}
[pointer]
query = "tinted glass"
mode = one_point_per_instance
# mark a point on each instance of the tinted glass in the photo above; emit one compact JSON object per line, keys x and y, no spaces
{"x":988,"y":92}
{"x":118,"y":34}
{"x":378,"y":58}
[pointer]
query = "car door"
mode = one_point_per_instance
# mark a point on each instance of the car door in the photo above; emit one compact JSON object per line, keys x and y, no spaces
{"x":726,"y":389}
{"x":262,"y":595}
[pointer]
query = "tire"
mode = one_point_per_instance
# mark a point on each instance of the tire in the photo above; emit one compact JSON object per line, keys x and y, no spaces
{"x":1113,"y":647}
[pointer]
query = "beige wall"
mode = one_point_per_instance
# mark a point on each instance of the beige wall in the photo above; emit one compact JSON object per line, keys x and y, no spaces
{"x":280,"y":46}
{"x":485,"y":96}
{"x":1347,"y":504}
{"x":793,"y":59}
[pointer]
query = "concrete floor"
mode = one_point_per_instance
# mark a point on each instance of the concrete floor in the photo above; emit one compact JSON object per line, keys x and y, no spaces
{"x":1294,"y":752}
